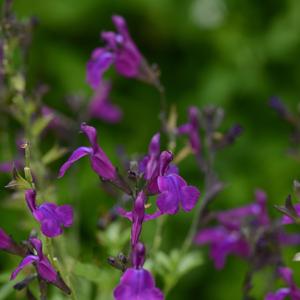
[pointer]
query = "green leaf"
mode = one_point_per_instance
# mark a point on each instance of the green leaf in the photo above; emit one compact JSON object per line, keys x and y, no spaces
{"x":40,"y":124}
{"x":6,"y":290}
{"x":88,"y":271}
{"x":188,"y":262}
{"x":53,"y":154}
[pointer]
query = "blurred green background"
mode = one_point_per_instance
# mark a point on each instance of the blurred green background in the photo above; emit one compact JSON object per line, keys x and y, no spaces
{"x":231,"y":53}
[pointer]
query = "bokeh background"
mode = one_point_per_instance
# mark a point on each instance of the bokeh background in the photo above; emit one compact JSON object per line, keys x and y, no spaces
{"x":231,"y":53}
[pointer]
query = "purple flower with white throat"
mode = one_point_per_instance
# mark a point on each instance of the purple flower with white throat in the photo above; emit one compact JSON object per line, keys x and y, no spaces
{"x":119,"y":50}
{"x":99,"y":161}
{"x":101,"y":107}
{"x":40,"y":261}
{"x":137,"y":283}
{"x":53,"y":218}
{"x":291,"y":292}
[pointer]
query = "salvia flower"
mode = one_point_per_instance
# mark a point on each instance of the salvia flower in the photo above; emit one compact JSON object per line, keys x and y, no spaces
{"x":99,"y":161}
{"x":174,"y":192}
{"x":289,"y":220}
{"x":228,"y":236}
{"x":192,"y":129}
{"x":53,"y":218}
{"x":9,"y":245}
{"x":291,"y":292}
{"x":44,"y":268}
{"x":223,"y":242}
{"x":101,"y":107}
{"x":137,"y":283}
{"x":119,"y":50}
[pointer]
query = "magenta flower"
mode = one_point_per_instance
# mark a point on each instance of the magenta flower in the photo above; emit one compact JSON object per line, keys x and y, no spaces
{"x":174,"y":192}
{"x":53,"y":218}
{"x":192,"y":129}
{"x":288,"y":220}
{"x":292,"y":291}
{"x":5,"y":240}
{"x":137,"y":283}
{"x":119,"y":50}
{"x":101,"y":107}
{"x":99,"y":160}
{"x":44,"y":268}
{"x":223,"y":242}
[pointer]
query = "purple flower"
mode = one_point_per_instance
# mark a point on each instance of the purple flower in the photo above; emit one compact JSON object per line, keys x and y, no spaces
{"x":192,"y":129}
{"x":44,"y":268}
{"x":292,"y":291}
{"x":279,"y":106}
{"x":51,"y":216}
{"x":58,"y":121}
{"x":223,"y":242}
{"x":99,"y":160}
{"x":137,"y":283}
{"x":119,"y":50}
{"x":174,"y":192}
{"x":288,"y":220}
{"x":257,"y":211}
{"x":8,"y":166}
{"x":101,"y":107}
{"x":5,"y":240}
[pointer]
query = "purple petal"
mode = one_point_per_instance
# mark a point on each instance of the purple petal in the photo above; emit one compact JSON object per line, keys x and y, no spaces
{"x":164,"y":161}
{"x":101,"y":107}
{"x":46,"y":271}
{"x":26,"y":261}
{"x":5,"y":240}
{"x":190,"y":196}
{"x":30,"y":196}
{"x":279,"y":295}
{"x":51,"y":228}
{"x":76,"y":155}
{"x":287,"y":275}
{"x":287,"y":220}
{"x":100,"y":61}
{"x":137,"y":284}
{"x":167,"y":203}
{"x":65,"y":215}
{"x":37,"y":245}
{"x":154,"y":146}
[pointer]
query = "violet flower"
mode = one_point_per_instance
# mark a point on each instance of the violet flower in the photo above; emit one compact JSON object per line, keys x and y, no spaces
{"x":228,"y":237}
{"x":44,"y":268}
{"x":292,"y":291}
{"x":192,"y":129}
{"x":175,"y":192}
{"x":101,"y":107}
{"x":137,"y":283}
{"x":223,"y":242}
{"x":279,"y":106}
{"x":53,"y":218}
{"x":99,"y":161}
{"x":9,"y":245}
{"x":119,"y":50}
{"x":288,"y":220}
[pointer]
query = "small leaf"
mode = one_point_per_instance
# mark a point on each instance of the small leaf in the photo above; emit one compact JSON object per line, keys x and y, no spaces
{"x":53,"y":154}
{"x":88,"y":271}
{"x":40,"y":124}
{"x":190,"y":261}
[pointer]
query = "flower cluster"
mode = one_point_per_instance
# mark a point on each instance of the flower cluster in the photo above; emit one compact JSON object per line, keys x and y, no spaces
{"x":159,"y":178}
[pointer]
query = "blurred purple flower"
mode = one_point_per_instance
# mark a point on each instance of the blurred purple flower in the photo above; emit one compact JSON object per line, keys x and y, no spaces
{"x":119,"y":50}
{"x":223,"y":242}
{"x":44,"y":268}
{"x":99,"y":160}
{"x":288,"y":220}
{"x":58,"y":121}
{"x":192,"y":129}
{"x":5,"y":240}
{"x":279,"y":106}
{"x":292,"y":291}
{"x":101,"y":107}
{"x":137,"y":283}
{"x":8,"y":166}
{"x":51,"y":216}
{"x":174,"y":192}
